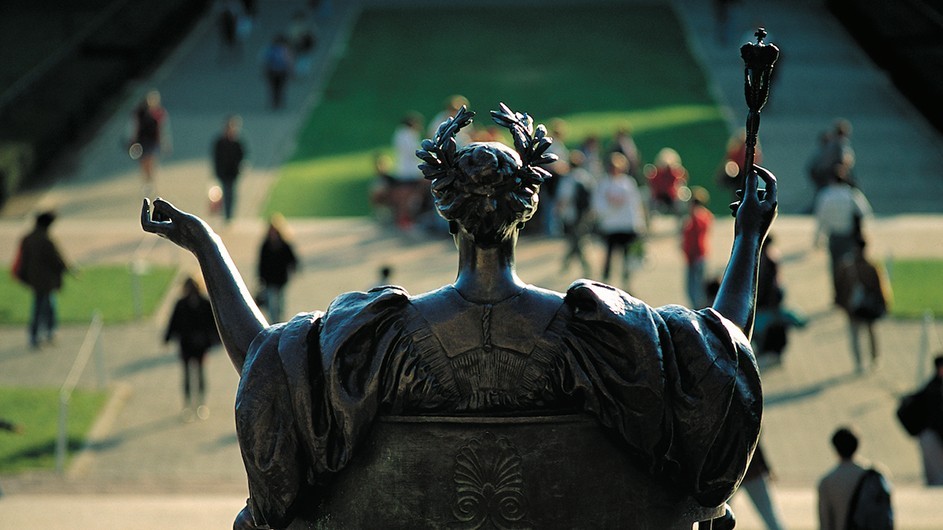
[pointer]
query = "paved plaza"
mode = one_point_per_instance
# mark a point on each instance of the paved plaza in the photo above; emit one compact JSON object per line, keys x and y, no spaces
{"x":144,"y":468}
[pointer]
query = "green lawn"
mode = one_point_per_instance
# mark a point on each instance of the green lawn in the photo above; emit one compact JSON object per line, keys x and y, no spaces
{"x":36,"y":412}
{"x":917,"y":286}
{"x":596,"y":67}
{"x":106,"y":288}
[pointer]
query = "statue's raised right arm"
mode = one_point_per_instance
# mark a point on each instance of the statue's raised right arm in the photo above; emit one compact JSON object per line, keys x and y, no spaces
{"x":237,"y":316}
{"x":754,"y":213}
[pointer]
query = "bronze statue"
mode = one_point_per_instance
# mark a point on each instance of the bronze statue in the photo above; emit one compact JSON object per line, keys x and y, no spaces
{"x":675,"y":392}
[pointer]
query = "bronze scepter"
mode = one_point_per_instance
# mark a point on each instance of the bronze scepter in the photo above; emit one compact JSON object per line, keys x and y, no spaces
{"x":758,"y":60}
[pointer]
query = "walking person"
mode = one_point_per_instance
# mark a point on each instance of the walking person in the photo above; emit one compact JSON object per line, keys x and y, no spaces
{"x":694,"y":244}
{"x":573,"y":210}
{"x":620,"y":214}
{"x":193,"y":327}
{"x":278,"y":64}
{"x":840,"y":210}
{"x":228,"y":20}
{"x":864,"y":294}
{"x":833,"y":153}
{"x":756,"y":485}
{"x":922,"y":416}
{"x":228,"y":154}
{"x":665,"y":180}
{"x":41,"y":267}
{"x":150,"y":137}
{"x":841,"y":488}
{"x":277,"y":262}
{"x":773,"y":318}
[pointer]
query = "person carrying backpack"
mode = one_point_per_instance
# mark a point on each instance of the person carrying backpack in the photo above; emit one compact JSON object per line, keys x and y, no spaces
{"x":852,"y":496}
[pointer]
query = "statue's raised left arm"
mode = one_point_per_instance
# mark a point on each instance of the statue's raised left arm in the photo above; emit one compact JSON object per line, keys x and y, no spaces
{"x":237,"y":316}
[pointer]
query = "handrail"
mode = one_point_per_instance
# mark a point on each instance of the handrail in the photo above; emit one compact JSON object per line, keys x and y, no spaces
{"x":92,"y":343}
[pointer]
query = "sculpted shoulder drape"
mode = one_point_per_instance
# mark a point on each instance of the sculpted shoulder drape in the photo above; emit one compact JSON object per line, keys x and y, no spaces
{"x":678,"y":387}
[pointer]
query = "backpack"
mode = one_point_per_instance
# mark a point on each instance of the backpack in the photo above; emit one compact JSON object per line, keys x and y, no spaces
{"x":870,"y":507}
{"x":912,"y":413}
{"x":17,"y":270}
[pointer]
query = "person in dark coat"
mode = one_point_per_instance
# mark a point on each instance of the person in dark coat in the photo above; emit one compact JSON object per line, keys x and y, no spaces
{"x":929,"y":402}
{"x":277,"y":262}
{"x":41,"y":268}
{"x":193,"y":327}
{"x":228,"y":153}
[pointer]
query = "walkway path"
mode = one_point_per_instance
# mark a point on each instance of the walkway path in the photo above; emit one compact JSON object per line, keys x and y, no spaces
{"x":144,"y":463}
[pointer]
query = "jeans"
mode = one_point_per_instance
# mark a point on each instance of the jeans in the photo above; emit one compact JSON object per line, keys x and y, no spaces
{"x":758,"y":490}
{"x":694,"y":285}
{"x":43,"y":318}
{"x":229,"y":197}
{"x":274,"y":302}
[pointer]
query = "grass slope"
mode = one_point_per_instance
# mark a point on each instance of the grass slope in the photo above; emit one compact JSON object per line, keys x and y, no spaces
{"x":105,"y":288}
{"x":596,"y":67}
{"x":36,"y":412}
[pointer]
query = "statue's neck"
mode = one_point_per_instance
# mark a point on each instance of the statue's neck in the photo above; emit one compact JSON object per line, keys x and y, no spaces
{"x":487,"y":275}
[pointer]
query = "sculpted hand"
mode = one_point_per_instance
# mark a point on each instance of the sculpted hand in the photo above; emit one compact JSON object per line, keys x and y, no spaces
{"x":756,"y":209}
{"x":184,"y":229}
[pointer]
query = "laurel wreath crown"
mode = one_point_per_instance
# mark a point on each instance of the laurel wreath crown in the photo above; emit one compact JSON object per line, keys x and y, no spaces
{"x":438,"y":154}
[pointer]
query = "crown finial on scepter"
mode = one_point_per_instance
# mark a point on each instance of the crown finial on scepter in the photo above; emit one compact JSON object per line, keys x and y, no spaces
{"x":758,"y":60}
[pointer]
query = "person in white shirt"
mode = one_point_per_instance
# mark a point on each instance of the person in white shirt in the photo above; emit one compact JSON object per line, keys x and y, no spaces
{"x":620,"y":214}
{"x":840,"y":209}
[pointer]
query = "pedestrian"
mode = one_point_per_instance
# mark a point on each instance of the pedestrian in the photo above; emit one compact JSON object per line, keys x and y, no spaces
{"x":277,"y":263}
{"x":834,"y":153}
{"x":756,"y":485}
{"x":150,"y":136}
{"x":723,"y":20}
{"x":193,"y":327}
{"x":228,"y":19}
{"x":838,"y":489}
{"x":665,"y":180}
{"x":620,"y":214}
{"x":694,"y":244}
{"x":728,"y":174}
{"x":864,"y":293}
{"x":228,"y":154}
{"x":922,"y":415}
{"x":407,"y":187}
{"x":573,"y":209}
{"x":773,"y":319}
{"x":278,"y":64}
{"x":840,"y":212}
{"x":41,"y":267}
{"x":623,"y":142}
{"x":302,"y":37}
